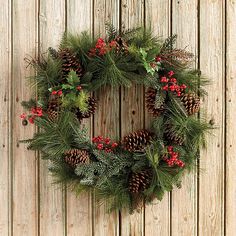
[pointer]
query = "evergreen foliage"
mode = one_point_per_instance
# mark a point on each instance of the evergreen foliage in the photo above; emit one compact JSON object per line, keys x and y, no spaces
{"x":121,"y":59}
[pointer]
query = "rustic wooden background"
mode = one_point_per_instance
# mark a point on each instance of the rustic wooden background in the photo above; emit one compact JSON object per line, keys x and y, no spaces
{"x":206,"y":204}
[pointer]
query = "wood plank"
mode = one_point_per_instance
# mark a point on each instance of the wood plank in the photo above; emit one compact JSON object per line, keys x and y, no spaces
{"x":5,"y":119}
{"x":184,"y":200}
{"x":230,"y":181}
{"x":211,"y":181}
{"x":79,"y":209}
{"x":52,"y":198}
{"x":106,"y":119}
{"x":25,"y":173}
{"x":132,"y":110}
{"x":157,"y":215}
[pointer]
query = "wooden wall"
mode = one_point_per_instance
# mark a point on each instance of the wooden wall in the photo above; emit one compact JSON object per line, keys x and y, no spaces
{"x":204,"y":206}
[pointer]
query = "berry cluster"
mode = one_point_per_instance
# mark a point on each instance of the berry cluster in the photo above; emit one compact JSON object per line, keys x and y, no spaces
{"x":59,"y":92}
{"x":35,"y":112}
{"x":104,"y":144}
{"x":170,"y":84}
{"x":172,"y":158}
{"x":101,"y":47}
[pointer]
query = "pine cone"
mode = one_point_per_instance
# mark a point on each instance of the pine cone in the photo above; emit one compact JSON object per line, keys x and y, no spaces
{"x":53,"y":107}
{"x":92,"y":105}
{"x":137,"y":141}
{"x":140,"y":181}
{"x":69,"y":62}
{"x":75,"y":156}
{"x":121,"y":45}
{"x":172,"y":136}
{"x":151,"y":103}
{"x":191,"y":102}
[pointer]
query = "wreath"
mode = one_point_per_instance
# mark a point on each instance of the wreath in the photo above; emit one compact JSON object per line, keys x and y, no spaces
{"x":144,"y":164}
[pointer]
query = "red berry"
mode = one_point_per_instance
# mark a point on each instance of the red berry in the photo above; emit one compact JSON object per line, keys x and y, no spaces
{"x":54,"y":92}
{"x":170,"y":148}
{"x":79,"y":88}
{"x":170,"y":73}
{"x":100,"y":146}
{"x":165,"y":88}
{"x":23,"y":116}
{"x":59,"y":92}
{"x":107,"y":140}
{"x":173,"y":80}
{"x":164,"y":79}
{"x":172,"y":88}
{"x":31,"y":119}
{"x":114,"y":145}
{"x":158,"y":59}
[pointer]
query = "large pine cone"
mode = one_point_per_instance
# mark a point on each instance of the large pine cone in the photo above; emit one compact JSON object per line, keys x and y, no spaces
{"x":69,"y":62}
{"x":140,"y":181}
{"x":151,"y":103}
{"x":173,"y":137}
{"x":53,"y":107}
{"x":137,"y":141}
{"x":75,"y":156}
{"x":92,"y":105}
{"x":191,"y":102}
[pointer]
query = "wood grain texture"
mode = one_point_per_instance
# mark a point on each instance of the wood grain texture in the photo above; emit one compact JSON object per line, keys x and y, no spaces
{"x":52,"y":198}
{"x":184,"y":200}
{"x":5,"y":118}
{"x":230,"y":227}
{"x":157,"y":215}
{"x":132,"y":110}
{"x":22,"y":186}
{"x":211,"y":180}
{"x":106,"y":121}
{"x":79,"y":209}
{"x":25,"y":185}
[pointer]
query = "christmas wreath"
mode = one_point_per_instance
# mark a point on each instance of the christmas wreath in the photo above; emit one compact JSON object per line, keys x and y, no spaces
{"x":142,"y":165}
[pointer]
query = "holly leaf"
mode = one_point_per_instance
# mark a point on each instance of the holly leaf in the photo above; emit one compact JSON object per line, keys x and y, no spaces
{"x":73,"y":78}
{"x":67,"y":86}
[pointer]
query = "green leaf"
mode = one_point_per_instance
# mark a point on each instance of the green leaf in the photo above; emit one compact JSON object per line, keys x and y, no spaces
{"x":67,"y":86}
{"x":72,"y":78}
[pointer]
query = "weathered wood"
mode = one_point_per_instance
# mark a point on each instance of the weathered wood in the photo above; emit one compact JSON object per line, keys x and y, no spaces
{"x":52,"y":198}
{"x":106,"y":121}
{"x":230,"y":181}
{"x":132,"y":110}
{"x":5,"y":118}
{"x":157,"y":215}
{"x":25,"y":174}
{"x":79,"y":209}
{"x":184,"y":200}
{"x":211,"y":181}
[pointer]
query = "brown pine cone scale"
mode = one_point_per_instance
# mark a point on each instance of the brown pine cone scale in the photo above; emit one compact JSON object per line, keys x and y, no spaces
{"x":191,"y":102}
{"x":151,"y":103}
{"x":69,"y":62}
{"x":137,"y":141}
{"x":140,"y":181}
{"x":75,"y":156}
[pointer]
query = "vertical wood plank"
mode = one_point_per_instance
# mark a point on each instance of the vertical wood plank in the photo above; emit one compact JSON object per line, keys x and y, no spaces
{"x":211,"y":181}
{"x":79,"y":209}
{"x":106,"y":119}
{"x":157,"y":215}
{"x":230,"y":227}
{"x":5,"y":118}
{"x":184,"y":200}
{"x":25,"y":184}
{"x":132,"y":115}
{"x":52,"y":199}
